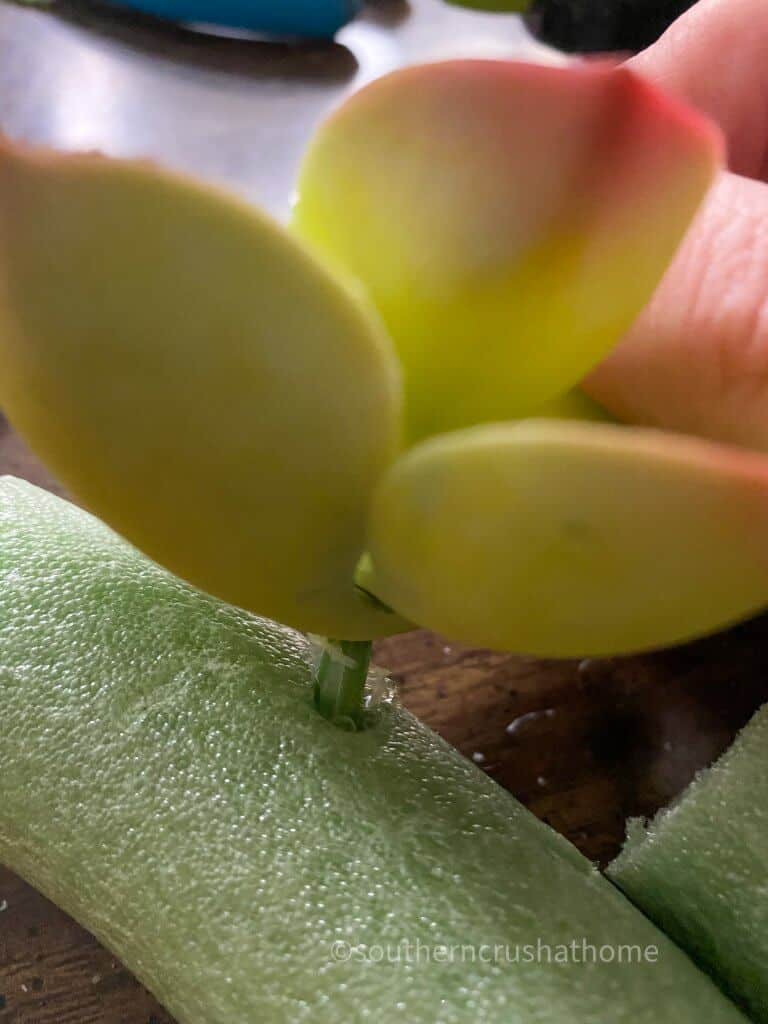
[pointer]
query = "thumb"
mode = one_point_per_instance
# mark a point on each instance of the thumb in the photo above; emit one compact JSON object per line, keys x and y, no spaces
{"x":696,"y":361}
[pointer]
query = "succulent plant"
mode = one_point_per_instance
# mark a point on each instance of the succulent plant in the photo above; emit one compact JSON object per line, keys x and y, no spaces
{"x":359,"y":424}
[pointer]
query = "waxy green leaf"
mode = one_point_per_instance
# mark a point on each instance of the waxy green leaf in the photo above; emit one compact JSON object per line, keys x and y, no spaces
{"x":198,"y":380}
{"x":570,"y":539}
{"x":510,"y":221}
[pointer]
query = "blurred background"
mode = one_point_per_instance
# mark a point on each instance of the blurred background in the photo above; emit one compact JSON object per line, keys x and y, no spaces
{"x":599,"y":25}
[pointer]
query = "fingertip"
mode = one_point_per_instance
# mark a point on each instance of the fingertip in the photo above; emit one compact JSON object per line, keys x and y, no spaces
{"x":716,"y":57}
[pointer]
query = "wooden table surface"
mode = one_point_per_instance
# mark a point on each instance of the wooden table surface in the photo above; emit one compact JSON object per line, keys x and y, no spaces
{"x":583,"y":745}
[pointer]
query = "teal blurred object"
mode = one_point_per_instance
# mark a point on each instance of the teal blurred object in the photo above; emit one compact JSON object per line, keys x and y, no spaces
{"x":315,"y":19}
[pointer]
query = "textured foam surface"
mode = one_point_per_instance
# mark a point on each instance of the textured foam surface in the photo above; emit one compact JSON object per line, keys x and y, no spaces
{"x":700,"y":869}
{"x":167,"y":781}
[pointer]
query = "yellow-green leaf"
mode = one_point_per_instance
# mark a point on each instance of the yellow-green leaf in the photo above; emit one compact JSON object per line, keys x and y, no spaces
{"x":509,"y":220}
{"x":198,"y":380}
{"x":570,"y":539}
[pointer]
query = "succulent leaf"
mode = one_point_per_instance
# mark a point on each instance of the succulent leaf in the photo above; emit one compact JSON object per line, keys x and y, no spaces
{"x":568,"y":539}
{"x":197,"y":379}
{"x":510,"y":221}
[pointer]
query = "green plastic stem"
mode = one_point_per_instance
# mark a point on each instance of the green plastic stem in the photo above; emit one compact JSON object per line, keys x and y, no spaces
{"x":340,"y":682}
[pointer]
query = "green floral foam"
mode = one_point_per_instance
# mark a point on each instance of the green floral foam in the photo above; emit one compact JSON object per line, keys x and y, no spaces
{"x":700,"y":869}
{"x":166,"y":780}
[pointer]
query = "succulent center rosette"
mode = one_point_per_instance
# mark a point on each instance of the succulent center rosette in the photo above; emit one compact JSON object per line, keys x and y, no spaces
{"x":367,"y":421}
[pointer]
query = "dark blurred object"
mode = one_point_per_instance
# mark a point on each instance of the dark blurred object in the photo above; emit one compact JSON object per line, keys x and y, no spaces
{"x":590,"y":26}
